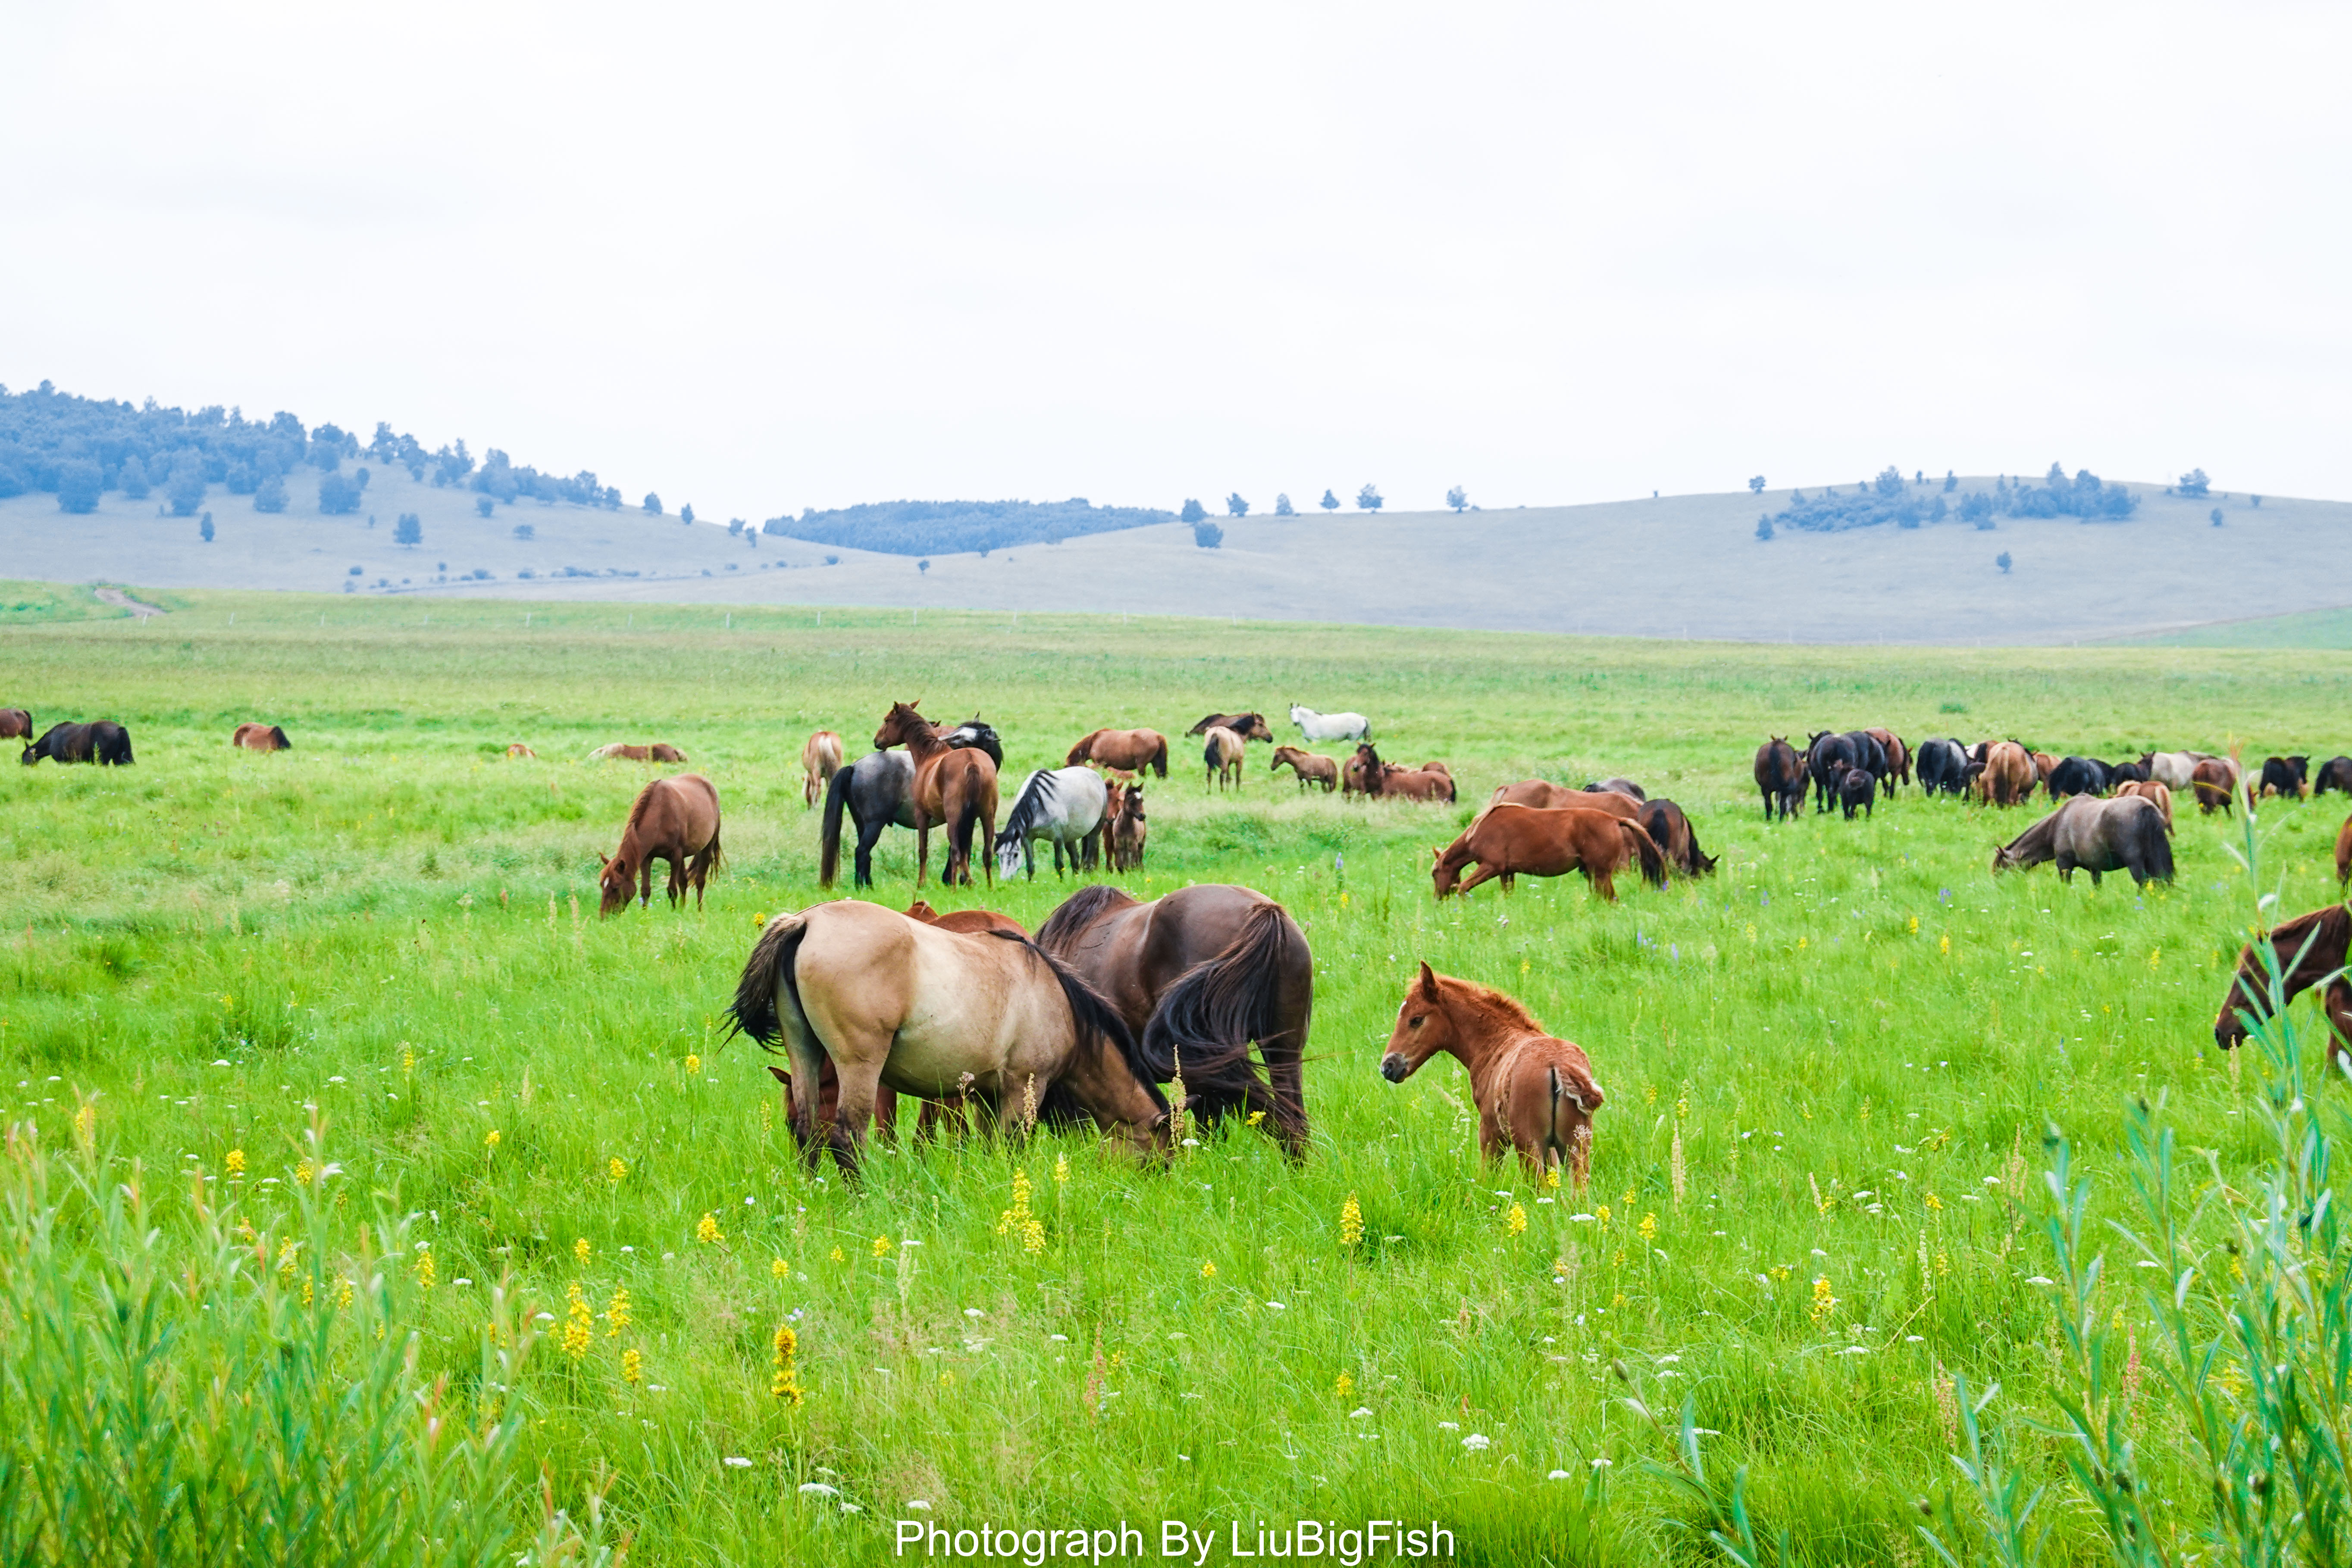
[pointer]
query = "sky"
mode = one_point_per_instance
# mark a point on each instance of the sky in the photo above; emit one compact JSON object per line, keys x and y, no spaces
{"x":766,"y":257}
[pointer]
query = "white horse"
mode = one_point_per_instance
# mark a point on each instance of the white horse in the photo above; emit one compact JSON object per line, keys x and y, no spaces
{"x":2172,"y":769}
{"x":1329,"y":726}
{"x":1064,"y":806}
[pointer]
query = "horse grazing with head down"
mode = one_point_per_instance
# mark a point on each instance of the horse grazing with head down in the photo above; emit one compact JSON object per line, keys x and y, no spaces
{"x":2308,"y":951}
{"x":1505,"y":841}
{"x":1220,"y":753}
{"x":1066,"y":806}
{"x":1670,"y":830}
{"x":2215,"y":782}
{"x":1535,"y":1092}
{"x":2125,"y":834}
{"x":954,"y":786}
{"x":2335,"y":773}
{"x":105,"y":742}
{"x":1779,"y":777}
{"x":1127,"y":751}
{"x":2150,"y":791}
{"x":1310,"y":768}
{"x":987,"y":1017}
{"x":673,"y":819}
{"x":520,"y":753}
{"x":2286,"y":776}
{"x":251,"y":737}
{"x":1248,"y":726}
{"x":819,"y":760}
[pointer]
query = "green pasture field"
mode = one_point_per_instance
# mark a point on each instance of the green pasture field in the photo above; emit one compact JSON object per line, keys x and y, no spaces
{"x":1815,"y":1192}
{"x":2311,"y":628}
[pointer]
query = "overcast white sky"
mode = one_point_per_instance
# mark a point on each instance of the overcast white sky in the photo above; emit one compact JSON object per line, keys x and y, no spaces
{"x":768,"y":257}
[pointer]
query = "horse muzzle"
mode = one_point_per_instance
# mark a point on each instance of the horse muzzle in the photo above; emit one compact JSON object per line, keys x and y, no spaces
{"x":1394,"y":1067}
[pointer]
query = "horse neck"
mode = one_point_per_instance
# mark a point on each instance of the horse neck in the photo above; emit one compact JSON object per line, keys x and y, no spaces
{"x":923,"y":742}
{"x":1479,"y":1034}
{"x":2322,"y":949}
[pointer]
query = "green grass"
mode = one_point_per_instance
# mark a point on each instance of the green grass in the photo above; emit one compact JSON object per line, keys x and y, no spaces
{"x":2313,"y":628}
{"x":378,"y":935}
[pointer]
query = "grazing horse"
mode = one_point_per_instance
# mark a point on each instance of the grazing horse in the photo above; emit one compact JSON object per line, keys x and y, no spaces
{"x":1779,"y":777}
{"x":1130,"y":751}
{"x":674,"y":819}
{"x":2334,"y":774}
{"x":1199,"y":975}
{"x":2309,"y":951}
{"x":991,"y":1017}
{"x":2125,"y":834}
{"x":1431,"y":781}
{"x":2172,"y":769}
{"x":659,"y":751}
{"x":877,"y":791}
{"x":1507,"y":840}
{"x":955,"y":786}
{"x":1221,"y":754}
{"x":1670,"y":830}
{"x":2214,"y":782}
{"x":2078,"y":776}
{"x":519,"y":752}
{"x":2007,"y":778}
{"x":1542,"y":793}
{"x":1534,"y":1091}
{"x":15,"y":723}
{"x":1311,"y":768}
{"x":2121,"y":773}
{"x":1128,"y":830}
{"x":1898,"y":756}
{"x":2045,"y":765}
{"x":1616,"y":786}
{"x":1943,"y":765}
{"x":2286,"y":776}
{"x":105,"y":742}
{"x":819,"y":760}
{"x":1067,"y":808}
{"x":2148,"y":790}
{"x":1248,"y":726}
{"x":253,"y":737}
{"x":1314,"y":726}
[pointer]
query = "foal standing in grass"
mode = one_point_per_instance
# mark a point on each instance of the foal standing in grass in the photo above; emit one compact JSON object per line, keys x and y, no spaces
{"x":1535,"y":1093}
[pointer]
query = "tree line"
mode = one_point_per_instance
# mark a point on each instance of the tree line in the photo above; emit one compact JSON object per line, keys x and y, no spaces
{"x":948,"y":527}
{"x":1889,"y":497}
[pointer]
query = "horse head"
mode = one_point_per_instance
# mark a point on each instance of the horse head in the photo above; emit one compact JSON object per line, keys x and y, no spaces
{"x":614,"y":881}
{"x":899,"y":724}
{"x":1423,"y":1028}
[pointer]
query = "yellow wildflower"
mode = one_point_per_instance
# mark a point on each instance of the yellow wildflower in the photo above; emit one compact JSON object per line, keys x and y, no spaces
{"x":881,"y":1247}
{"x":343,"y":1295}
{"x":305,"y":1172}
{"x":693,"y":1064}
{"x":1516,"y":1221}
{"x":632,"y":1365}
{"x":786,"y":1384}
{"x":1824,"y":1302}
{"x":1062,"y":1169}
{"x":492,"y":1141}
{"x":1256,"y":1117}
{"x":615,"y":1169}
{"x":1935,"y":1202}
{"x":407,"y":1058}
{"x":616,"y":1313}
{"x":1352,"y":1222}
{"x":1649,"y":1227}
{"x":1344,"y":1385}
{"x":579,"y":1323}
{"x":1914,"y":925}
{"x":1209,"y":1270}
{"x":1944,"y":946}
{"x":86,"y":1127}
{"x":838,"y":1256}
{"x":1551,"y":1178}
{"x":707,"y":1232}
{"x":237,"y":1161}
{"x":1601,"y":1217}
{"x":579,"y":1249}
{"x":777,"y":1270}
{"x":424,"y":1267}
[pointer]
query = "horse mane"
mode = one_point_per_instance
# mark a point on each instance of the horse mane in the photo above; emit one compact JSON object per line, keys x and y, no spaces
{"x":1093,"y":1014}
{"x":639,"y":807}
{"x":1036,"y":792}
{"x":1489,"y":1005}
{"x":1081,"y":910}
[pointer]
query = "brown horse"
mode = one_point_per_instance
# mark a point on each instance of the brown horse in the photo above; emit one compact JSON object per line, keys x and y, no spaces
{"x":1199,"y":975}
{"x":1248,"y":726}
{"x":1898,"y":755}
{"x":1221,"y":754}
{"x":1431,"y":781}
{"x":1780,"y":776}
{"x":2307,"y":948}
{"x":1310,"y":768}
{"x":2008,"y":776}
{"x":260,"y":738}
{"x":2150,"y":790}
{"x":1507,"y":840}
{"x":968,"y":922}
{"x":674,"y":819}
{"x":1128,"y":829}
{"x":1127,"y":751}
{"x":1534,"y":1091}
{"x":519,"y":752}
{"x":1671,"y":831}
{"x":659,"y":751}
{"x":954,"y":787}
{"x":819,"y":760}
{"x":2344,"y":853}
{"x":2215,"y":782}
{"x":15,"y":723}
{"x":990,"y":1017}
{"x":1559,"y":798}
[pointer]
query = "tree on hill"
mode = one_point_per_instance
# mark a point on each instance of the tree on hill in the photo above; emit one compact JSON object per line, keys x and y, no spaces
{"x":485,"y":505}
{"x":1458,"y":498}
{"x":1889,"y":482}
{"x":1367,"y":500}
{"x":685,"y":514}
{"x":1951,"y":481}
{"x":525,"y":532}
{"x":1236,"y":506}
{"x":1756,"y":484}
{"x":1193,"y":511}
{"x":79,"y":481}
{"x":185,"y":490}
{"x":2001,"y":561}
{"x":1329,"y":501}
{"x":917,"y":527}
{"x":1207,"y":534}
{"x":269,"y":495}
{"x":2217,"y":517}
{"x":205,"y":528}
{"x":340,"y":496}
{"x":1764,"y":526}
{"x":408,"y":533}
{"x":2195,"y":485}
{"x":131,"y":478}
{"x":653,"y":503}
{"x":924,"y":566}
{"x":1282,"y":507}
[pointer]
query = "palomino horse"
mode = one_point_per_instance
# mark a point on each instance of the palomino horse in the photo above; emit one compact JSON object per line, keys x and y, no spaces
{"x":253,"y":737}
{"x":1534,"y":1091}
{"x":675,"y":819}
{"x":15,"y":724}
{"x":1310,"y":768}
{"x":1127,"y":750}
{"x":2125,"y":834}
{"x":819,"y":760}
{"x":1067,"y":808}
{"x":1507,"y":840}
{"x":1128,"y":829}
{"x":659,"y":751}
{"x":991,"y":1017}
{"x":1221,"y":754}
{"x":1542,"y":793}
{"x":1314,"y":726}
{"x":2309,"y":951}
{"x":954,"y":787}
{"x":1199,"y":975}
{"x":1248,"y":726}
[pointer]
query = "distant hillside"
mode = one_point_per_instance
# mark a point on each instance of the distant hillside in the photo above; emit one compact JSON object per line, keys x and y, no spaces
{"x":946,"y":527}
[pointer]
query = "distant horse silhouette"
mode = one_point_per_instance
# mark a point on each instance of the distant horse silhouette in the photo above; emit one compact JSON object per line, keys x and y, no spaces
{"x":519,"y":752}
{"x":659,"y":751}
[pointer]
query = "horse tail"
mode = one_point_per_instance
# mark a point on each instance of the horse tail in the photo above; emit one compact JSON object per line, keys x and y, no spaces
{"x":1205,"y":1022}
{"x":1209,"y":754}
{"x":1092,"y":1015}
{"x":718,"y":856}
{"x":1160,"y":758}
{"x":1653,"y":861}
{"x":754,"y":1011}
{"x":1078,"y":753}
{"x":960,"y":830}
{"x":828,"y":854}
{"x":2155,"y":844}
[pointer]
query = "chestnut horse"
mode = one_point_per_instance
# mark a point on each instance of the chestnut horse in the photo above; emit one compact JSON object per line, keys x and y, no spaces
{"x":1780,"y":776}
{"x":1248,"y":726}
{"x":954,"y":787}
{"x":1534,"y":1091}
{"x":1507,"y":840}
{"x":1221,"y":756}
{"x":1431,"y":781}
{"x":1200,"y":975}
{"x":15,"y":723}
{"x":2150,"y":790}
{"x":1128,"y":829}
{"x":2008,"y":777}
{"x":1310,"y":768}
{"x":819,"y":760}
{"x":519,"y":752}
{"x":1898,"y":756}
{"x":2309,"y":951}
{"x":1538,"y":793}
{"x":659,"y":751}
{"x":1671,"y":831}
{"x":674,"y":819}
{"x":260,"y":738}
{"x":989,"y":1016}
{"x":1130,"y":751}
{"x":2214,"y":782}
{"x":2344,"y":853}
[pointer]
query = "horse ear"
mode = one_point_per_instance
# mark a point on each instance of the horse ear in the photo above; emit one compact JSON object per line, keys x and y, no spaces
{"x":1428,"y":980}
{"x":784,"y":1075}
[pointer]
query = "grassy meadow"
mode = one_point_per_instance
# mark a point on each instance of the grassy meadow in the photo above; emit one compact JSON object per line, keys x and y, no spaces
{"x":349,"y":1149}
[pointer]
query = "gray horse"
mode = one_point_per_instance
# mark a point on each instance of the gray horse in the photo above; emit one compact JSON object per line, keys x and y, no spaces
{"x":2125,"y":834}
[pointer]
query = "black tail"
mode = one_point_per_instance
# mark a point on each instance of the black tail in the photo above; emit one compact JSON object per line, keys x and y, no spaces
{"x":2154,"y":845}
{"x":828,"y":854}
{"x":753,"y":1011}
{"x":1206,"y":1022}
{"x":1653,"y":861}
{"x":1160,"y":758}
{"x":960,"y":830}
{"x":1208,"y":756}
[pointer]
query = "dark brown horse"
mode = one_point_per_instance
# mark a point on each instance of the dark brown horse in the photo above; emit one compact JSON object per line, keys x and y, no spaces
{"x":260,"y":738}
{"x":2307,"y":948}
{"x":1127,"y":750}
{"x":673,"y":819}
{"x":1671,"y":831}
{"x":105,"y":742}
{"x":1200,"y":975}
{"x":1248,"y":726}
{"x":1898,"y":755}
{"x":1534,"y":1091}
{"x":15,"y":723}
{"x":1431,"y":781}
{"x":2215,"y":782}
{"x":2344,"y":853}
{"x":1780,"y":775}
{"x":954,"y":786}
{"x":1509,"y":840}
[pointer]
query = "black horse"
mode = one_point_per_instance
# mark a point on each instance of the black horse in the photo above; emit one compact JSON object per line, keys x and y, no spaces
{"x":1828,"y":755}
{"x":2334,"y":774}
{"x":2284,"y":775}
{"x":105,"y":742}
{"x":2080,"y":775}
{"x":979,"y":737}
{"x":1943,"y":766}
{"x":878,"y":790}
{"x":2124,"y":773}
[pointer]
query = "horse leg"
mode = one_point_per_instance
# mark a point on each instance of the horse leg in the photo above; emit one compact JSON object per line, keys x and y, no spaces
{"x":922,"y":846}
{"x":861,"y":1083}
{"x":868,"y":836}
{"x":1604,"y":882}
{"x":1483,"y":873}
